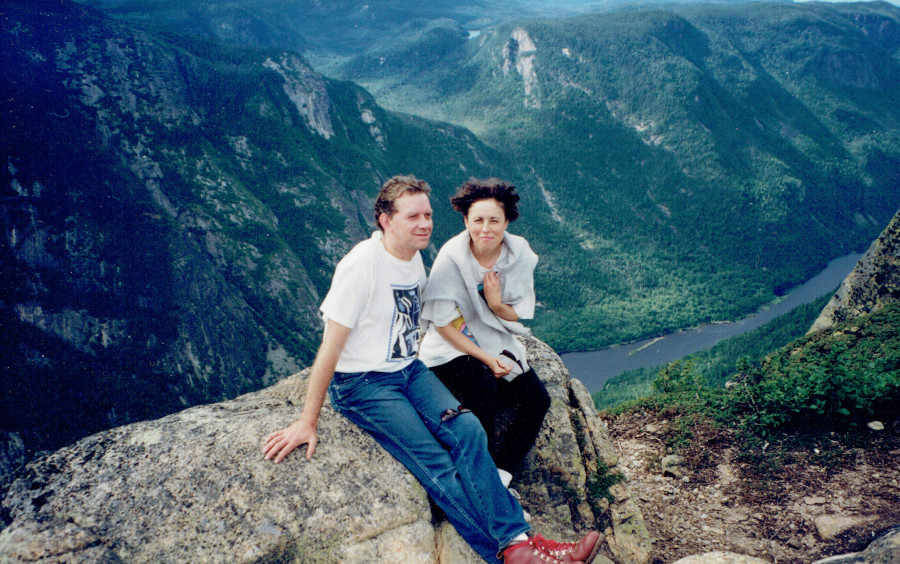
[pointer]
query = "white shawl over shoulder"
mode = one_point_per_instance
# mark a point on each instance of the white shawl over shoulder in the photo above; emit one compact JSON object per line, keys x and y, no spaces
{"x":454,"y":277}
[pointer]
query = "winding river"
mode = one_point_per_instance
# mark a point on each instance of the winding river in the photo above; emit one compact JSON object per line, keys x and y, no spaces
{"x":594,"y":368}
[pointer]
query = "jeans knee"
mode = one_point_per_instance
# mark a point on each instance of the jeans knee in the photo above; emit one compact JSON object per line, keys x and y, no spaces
{"x":466,"y":427}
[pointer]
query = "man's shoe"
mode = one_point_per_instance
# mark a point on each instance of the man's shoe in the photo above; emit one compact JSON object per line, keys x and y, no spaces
{"x":582,"y":551}
{"x":531,"y":552}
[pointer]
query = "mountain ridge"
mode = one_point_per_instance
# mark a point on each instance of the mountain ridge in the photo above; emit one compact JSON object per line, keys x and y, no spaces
{"x":172,"y":211}
{"x":684,"y":155}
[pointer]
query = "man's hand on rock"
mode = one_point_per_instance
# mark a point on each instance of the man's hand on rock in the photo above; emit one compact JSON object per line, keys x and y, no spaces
{"x":280,"y":443}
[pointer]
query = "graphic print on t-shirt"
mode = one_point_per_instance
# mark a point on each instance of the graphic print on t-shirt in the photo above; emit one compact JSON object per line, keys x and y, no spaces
{"x":405,"y":325}
{"x":460,"y":325}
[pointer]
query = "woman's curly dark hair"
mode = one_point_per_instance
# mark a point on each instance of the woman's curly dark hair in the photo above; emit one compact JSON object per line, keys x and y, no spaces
{"x":492,"y":188}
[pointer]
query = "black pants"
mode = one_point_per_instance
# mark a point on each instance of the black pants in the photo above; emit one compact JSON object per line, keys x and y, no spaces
{"x":510,"y":412}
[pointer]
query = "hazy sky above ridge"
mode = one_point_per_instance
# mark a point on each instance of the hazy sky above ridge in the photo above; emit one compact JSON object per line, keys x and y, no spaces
{"x":894,"y":2}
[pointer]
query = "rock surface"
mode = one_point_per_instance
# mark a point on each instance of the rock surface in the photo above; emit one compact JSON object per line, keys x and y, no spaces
{"x":719,"y":557}
{"x":193,"y":487}
{"x":873,"y":283}
{"x":885,"y":550}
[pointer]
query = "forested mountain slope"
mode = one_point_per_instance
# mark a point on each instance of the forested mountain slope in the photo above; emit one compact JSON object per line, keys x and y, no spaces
{"x":698,"y":160}
{"x":172,"y":211}
{"x":679,"y":164}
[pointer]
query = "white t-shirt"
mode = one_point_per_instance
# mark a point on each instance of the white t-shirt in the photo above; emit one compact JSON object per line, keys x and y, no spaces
{"x":377,"y":296}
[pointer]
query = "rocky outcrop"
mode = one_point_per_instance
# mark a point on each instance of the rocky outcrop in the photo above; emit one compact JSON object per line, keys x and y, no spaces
{"x":307,"y":90}
{"x":519,"y":53}
{"x":884,"y":550}
{"x":193,"y":487}
{"x":720,"y":557}
{"x":874,"y":282}
{"x":12,"y":454}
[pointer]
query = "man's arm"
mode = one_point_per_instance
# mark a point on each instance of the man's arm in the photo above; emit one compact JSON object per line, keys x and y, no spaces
{"x":303,"y":431}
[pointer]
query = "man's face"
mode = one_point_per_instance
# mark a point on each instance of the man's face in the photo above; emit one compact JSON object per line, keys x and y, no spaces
{"x":409,"y":229}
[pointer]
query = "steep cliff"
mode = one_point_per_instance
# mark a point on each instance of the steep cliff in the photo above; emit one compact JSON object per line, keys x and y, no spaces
{"x":171,"y":211}
{"x":193,"y":487}
{"x":874,"y":282}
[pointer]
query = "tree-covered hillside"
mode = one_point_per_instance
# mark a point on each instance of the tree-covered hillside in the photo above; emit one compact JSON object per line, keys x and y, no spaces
{"x":721,"y":361}
{"x":684,"y":165}
{"x":830,"y":380}
{"x":679,"y":164}
{"x":172,"y":210}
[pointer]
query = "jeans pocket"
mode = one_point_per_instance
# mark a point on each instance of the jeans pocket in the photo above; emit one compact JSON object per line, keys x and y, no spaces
{"x":342,"y":387}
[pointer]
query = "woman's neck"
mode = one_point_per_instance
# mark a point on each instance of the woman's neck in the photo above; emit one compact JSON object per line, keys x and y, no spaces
{"x":487,"y":259}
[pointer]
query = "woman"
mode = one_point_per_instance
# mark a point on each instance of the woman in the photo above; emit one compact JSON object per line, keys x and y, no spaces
{"x":481,"y":284}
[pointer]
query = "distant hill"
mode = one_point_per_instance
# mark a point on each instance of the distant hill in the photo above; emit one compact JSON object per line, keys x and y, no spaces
{"x":322,"y":27}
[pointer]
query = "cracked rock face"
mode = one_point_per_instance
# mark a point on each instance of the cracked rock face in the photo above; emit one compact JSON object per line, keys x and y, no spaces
{"x":193,"y":487}
{"x":874,"y":282}
{"x":306,"y":90}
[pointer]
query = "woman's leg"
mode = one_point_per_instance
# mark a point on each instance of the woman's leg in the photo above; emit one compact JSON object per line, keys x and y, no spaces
{"x":528,"y":397}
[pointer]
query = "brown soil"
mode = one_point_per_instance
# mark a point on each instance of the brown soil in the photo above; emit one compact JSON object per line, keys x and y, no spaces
{"x":773,"y":502}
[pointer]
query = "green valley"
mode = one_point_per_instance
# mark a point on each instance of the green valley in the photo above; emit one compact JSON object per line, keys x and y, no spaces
{"x":682,"y":165}
{"x":679,"y":164}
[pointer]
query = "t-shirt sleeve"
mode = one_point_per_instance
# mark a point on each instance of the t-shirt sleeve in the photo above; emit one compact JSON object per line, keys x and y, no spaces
{"x":440,"y":312}
{"x":524,"y":307}
{"x":348,"y":294}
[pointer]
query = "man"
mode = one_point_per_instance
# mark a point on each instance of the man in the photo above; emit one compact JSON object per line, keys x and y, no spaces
{"x":367,"y":365}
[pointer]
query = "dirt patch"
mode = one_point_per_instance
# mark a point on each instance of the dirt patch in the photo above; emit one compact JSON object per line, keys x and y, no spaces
{"x":819,"y":497}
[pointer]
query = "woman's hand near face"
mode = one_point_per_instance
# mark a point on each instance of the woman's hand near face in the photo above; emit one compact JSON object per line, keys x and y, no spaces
{"x":492,"y":288}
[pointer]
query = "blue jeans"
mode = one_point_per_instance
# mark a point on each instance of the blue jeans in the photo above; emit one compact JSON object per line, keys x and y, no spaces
{"x":403,"y":411}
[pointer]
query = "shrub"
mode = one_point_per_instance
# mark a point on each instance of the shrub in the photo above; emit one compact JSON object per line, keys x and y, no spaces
{"x":828,"y":380}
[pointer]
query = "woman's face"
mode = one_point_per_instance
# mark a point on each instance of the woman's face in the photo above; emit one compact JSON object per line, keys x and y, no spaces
{"x":486,"y":223}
